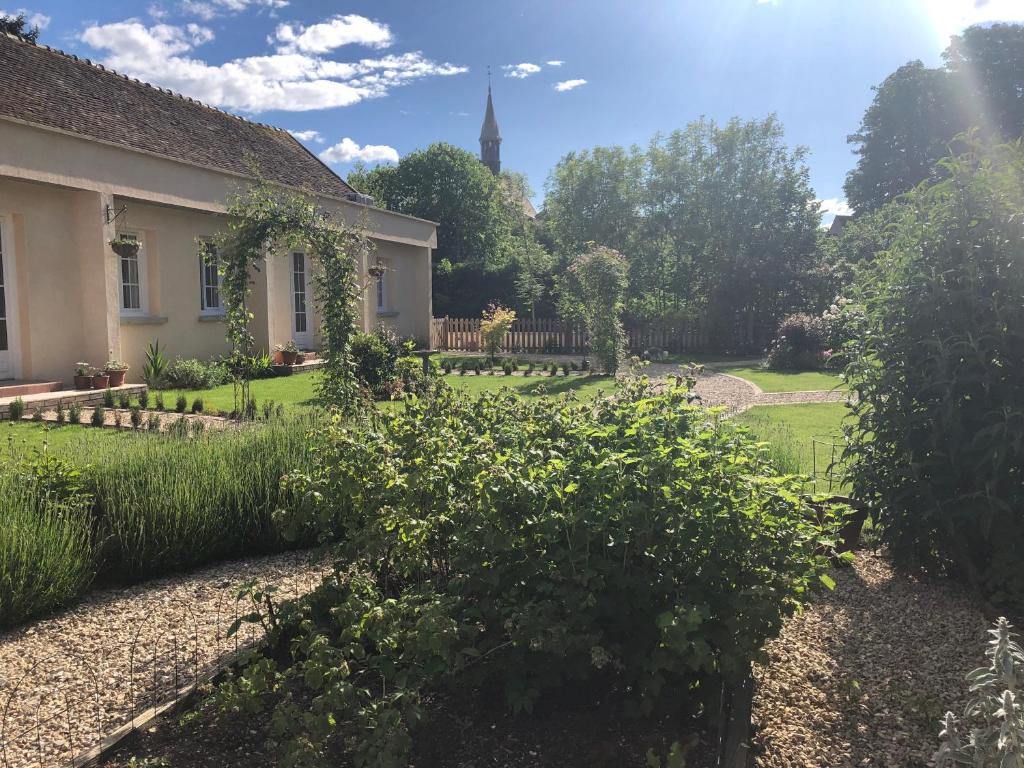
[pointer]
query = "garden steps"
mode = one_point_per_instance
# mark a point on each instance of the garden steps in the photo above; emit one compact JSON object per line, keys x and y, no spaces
{"x":50,"y":398}
{"x":310,"y":364}
{"x":15,"y":388}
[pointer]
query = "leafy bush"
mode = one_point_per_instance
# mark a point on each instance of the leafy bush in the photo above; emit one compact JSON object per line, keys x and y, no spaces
{"x":75,"y":412}
{"x":376,"y":355}
{"x":938,"y":374}
{"x":159,"y":402}
{"x":595,"y":288}
{"x":144,"y":399}
{"x":991,"y":734}
{"x":842,"y":324}
{"x":17,"y":409}
{"x":154,"y":370}
{"x":529,"y":545}
{"x":181,"y":404}
{"x":124,"y":400}
{"x":799,"y":344}
{"x":196,"y":374}
{"x":197,"y":405}
{"x":108,"y":398}
{"x":99,"y":416}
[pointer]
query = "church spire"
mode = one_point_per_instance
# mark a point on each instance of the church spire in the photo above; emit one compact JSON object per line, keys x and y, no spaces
{"x":490,"y":136}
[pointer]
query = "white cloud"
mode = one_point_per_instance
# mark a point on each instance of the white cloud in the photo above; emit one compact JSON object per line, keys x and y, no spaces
{"x":208,"y":9}
{"x":834,"y":206}
{"x":34,"y":19}
{"x":156,"y":11}
{"x":568,"y":85}
{"x":291,"y":81}
{"x":555,"y":63}
{"x":333,"y":33}
{"x":521,"y":71}
{"x":308,"y":136}
{"x":347,"y":151}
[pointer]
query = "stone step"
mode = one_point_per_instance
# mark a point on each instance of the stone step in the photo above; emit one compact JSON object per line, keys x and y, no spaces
{"x":14,"y":389}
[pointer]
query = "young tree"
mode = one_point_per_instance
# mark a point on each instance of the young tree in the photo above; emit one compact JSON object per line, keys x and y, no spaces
{"x":18,"y":26}
{"x":497,"y":322}
{"x":596,"y":284}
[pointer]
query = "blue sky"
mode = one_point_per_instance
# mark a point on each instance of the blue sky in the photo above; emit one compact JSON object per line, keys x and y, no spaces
{"x":376,"y":80}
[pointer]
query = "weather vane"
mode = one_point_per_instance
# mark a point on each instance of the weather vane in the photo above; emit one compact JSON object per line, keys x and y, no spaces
{"x":488,"y":76}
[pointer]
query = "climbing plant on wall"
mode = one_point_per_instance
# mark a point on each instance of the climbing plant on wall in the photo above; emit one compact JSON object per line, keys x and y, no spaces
{"x":265,"y":221}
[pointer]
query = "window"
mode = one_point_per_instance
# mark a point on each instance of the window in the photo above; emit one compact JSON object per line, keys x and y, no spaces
{"x":299,"y":290}
{"x":381,"y":305}
{"x":209,"y":276}
{"x":131,"y":279}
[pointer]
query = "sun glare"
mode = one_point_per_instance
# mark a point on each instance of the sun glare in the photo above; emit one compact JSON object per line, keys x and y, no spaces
{"x":949,"y":17}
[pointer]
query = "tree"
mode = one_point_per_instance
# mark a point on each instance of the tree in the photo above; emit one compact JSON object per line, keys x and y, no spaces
{"x":917,"y":111}
{"x":936,"y":440}
{"x":596,"y":284}
{"x":480,"y":219}
{"x":18,"y":26}
{"x":907,"y":128}
{"x":496,"y":323}
{"x":716,"y":220}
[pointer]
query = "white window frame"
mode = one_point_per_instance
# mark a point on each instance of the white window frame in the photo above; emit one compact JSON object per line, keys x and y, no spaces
{"x":383,"y":294}
{"x":11,"y":298}
{"x":140,"y":257}
{"x":204,"y":286}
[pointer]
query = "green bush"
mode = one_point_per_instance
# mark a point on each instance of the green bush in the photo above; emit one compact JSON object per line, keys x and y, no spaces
{"x":938,"y":374}
{"x":159,"y":402}
{"x":181,"y":404}
{"x":75,"y":412}
{"x":527,"y":545}
{"x":17,"y":409}
{"x":375,"y":355}
{"x":99,"y":416}
{"x":799,"y":344}
{"x":108,"y":398}
{"x":197,"y":405}
{"x":47,"y":551}
{"x":196,"y":374}
{"x":144,"y":399}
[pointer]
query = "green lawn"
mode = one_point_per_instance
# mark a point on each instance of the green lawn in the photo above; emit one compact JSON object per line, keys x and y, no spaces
{"x":25,"y":435}
{"x":786,"y":381}
{"x":802,"y":436}
{"x":533,"y":386}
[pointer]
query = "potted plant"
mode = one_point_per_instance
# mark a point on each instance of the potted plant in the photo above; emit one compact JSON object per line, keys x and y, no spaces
{"x":100,"y":380}
{"x":83,"y":376}
{"x":300,"y":358}
{"x":126,"y":247}
{"x":289,"y":352}
{"x":116,"y":370}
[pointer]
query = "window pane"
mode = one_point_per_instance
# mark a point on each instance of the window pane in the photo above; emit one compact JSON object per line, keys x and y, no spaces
{"x":3,"y":335}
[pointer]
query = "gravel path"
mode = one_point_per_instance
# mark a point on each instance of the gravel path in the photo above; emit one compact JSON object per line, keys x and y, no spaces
{"x":67,"y":680}
{"x":737,"y":395}
{"x":863,"y":675}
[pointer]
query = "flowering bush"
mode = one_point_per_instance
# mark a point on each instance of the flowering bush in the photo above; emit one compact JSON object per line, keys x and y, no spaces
{"x":799,"y":344}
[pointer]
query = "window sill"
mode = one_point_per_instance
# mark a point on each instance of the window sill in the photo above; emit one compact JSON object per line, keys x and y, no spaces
{"x":387,"y":313}
{"x":212,"y":318}
{"x":143,"y":320}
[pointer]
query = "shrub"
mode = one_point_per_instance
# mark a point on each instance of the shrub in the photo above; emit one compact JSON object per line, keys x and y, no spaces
{"x":144,"y":399}
{"x":938,"y":374}
{"x":124,"y":400}
{"x":585,"y":364}
{"x":159,"y":401}
{"x":595,"y":291}
{"x":37,"y":414}
{"x":181,"y":404}
{"x":118,"y":419}
{"x":529,"y":370}
{"x":60,"y":412}
{"x":553,"y":369}
{"x":75,"y":413}
{"x":196,"y":374}
{"x":135,"y":416}
{"x":446,"y":365}
{"x":108,"y":398}
{"x":376,"y":357}
{"x":99,"y":416}
{"x":527,"y":546}
{"x":197,"y":405}
{"x":463,"y":367}
{"x":496,"y":323}
{"x":992,"y":731}
{"x":799,"y":344}
{"x":565,"y":369}
{"x":154,"y":371}
{"x":47,"y":551}
{"x":153,"y":422}
{"x":17,"y":409}
{"x":507,"y":369}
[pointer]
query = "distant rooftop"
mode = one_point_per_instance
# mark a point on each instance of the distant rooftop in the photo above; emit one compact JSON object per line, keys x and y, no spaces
{"x":47,"y":87}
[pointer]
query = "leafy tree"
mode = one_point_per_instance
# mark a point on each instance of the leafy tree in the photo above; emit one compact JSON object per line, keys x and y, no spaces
{"x":904,"y":132}
{"x":596,"y":283}
{"x":717,"y":220}
{"x":481,"y":221}
{"x":917,"y":111}
{"x":497,"y":322}
{"x":18,"y":26}
{"x":936,"y":440}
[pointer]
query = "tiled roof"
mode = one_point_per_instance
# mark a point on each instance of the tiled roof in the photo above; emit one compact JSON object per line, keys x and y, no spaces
{"x":44,"y":86}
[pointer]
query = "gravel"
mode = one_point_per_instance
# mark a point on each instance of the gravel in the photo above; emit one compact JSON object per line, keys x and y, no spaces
{"x":863,"y":675}
{"x":68,"y":680}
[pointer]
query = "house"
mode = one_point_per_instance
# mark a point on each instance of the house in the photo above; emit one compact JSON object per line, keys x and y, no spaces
{"x":839,"y":224}
{"x":87,"y":154}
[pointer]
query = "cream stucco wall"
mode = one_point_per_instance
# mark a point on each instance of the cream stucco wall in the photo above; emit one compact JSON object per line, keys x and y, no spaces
{"x":54,"y":190}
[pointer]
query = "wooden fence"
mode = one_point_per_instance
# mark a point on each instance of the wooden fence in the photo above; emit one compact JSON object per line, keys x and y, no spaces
{"x":462,"y":334}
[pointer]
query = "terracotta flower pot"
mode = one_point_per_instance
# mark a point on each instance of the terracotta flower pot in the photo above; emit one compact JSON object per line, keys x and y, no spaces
{"x":83,"y":382}
{"x":288,"y":358}
{"x":117,"y":376}
{"x":101,"y":381}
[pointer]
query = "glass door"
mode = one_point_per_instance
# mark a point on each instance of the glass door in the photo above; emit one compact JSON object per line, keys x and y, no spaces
{"x":300,"y":314}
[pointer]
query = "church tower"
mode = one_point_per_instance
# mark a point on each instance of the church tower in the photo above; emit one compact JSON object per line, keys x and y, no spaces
{"x":490,"y":137}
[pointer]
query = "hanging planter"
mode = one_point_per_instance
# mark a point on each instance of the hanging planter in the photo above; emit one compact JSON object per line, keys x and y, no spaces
{"x":125,"y":247}
{"x":376,"y":271}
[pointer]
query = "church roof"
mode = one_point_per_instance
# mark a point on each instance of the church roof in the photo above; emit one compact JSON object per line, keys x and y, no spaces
{"x":489,"y":130}
{"x":46,"y":87}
